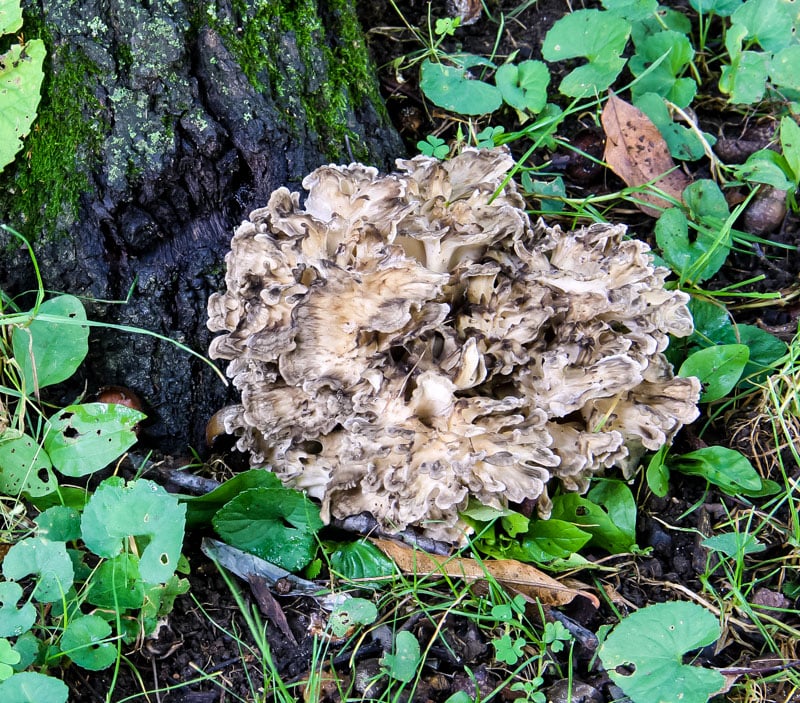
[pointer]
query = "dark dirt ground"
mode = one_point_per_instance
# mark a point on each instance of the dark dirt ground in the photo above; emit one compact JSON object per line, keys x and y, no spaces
{"x":190,"y":644}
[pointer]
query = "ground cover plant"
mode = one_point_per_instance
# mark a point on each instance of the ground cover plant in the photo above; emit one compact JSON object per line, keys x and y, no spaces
{"x":678,"y":583}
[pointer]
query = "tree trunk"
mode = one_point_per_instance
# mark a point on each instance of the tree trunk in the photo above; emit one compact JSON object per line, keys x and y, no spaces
{"x":162,"y":124}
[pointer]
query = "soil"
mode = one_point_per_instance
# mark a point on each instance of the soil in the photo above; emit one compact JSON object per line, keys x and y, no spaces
{"x":205,"y":649}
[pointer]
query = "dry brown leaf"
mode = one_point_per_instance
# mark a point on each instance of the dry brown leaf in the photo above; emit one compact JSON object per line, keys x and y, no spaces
{"x":515,"y":575}
{"x":638,"y":154}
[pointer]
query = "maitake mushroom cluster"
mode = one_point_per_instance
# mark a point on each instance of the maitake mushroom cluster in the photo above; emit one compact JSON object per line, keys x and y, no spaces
{"x":404,"y":343}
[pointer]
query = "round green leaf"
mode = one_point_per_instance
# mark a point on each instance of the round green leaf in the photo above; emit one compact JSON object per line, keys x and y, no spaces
{"x":82,"y":439}
{"x":117,"y":584}
{"x":26,"y":468}
{"x":20,"y":81}
{"x":276,"y":524}
{"x":590,"y":33}
{"x":403,"y":664}
{"x":139,"y":509}
{"x":14,"y":621}
{"x":85,"y":641}
{"x":783,"y":69}
{"x":47,"y":560}
{"x":524,"y":86}
{"x":718,"y":368}
{"x":450,"y":88}
{"x":32,"y":687}
{"x":656,"y":672}
{"x":50,"y":351}
{"x":594,"y":77}
{"x":59,"y":524}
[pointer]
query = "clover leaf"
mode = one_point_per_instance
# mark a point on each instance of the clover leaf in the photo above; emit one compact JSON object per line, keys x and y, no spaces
{"x":644,"y":654}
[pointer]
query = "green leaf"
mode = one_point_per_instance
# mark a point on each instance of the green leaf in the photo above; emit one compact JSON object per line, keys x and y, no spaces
{"x":82,"y":439}
{"x":276,"y":524}
{"x":14,"y":621}
{"x":50,"y":352}
{"x":59,"y":524}
{"x":745,"y":78}
{"x":726,"y":468}
{"x":361,"y":560}
{"x":10,"y":16}
{"x":586,"y":33}
{"x":450,"y":87}
{"x":766,"y":166}
{"x":403,"y":664}
{"x":683,"y":142}
{"x":790,"y":136}
{"x":657,"y":473}
{"x":117,"y":584}
{"x":699,"y":259}
{"x":721,"y":8}
{"x":553,"y":539}
{"x":8,"y":659}
{"x":139,"y":509}
{"x":32,"y":687}
{"x":433,"y":146}
{"x":632,"y":10}
{"x":784,"y":74}
{"x":524,"y":86}
{"x":594,"y":77}
{"x":200,"y":509}
{"x":617,"y":500}
{"x":656,"y":672}
{"x":348,"y":615}
{"x":85,"y":641}
{"x":734,"y":544}
{"x":768,"y":22}
{"x":578,"y":510}
{"x":20,"y":82}
{"x":26,"y":467}
{"x":159,"y":599}
{"x":49,"y":561}
{"x":507,"y":650}
{"x":718,"y":368}
{"x":27,"y":646}
{"x":598,"y":36}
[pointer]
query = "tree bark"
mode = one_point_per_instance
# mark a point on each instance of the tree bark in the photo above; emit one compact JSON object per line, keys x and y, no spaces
{"x":162,"y":125}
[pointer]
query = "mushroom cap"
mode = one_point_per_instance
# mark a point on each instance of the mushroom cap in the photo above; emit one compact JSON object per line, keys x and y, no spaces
{"x":404,"y":343}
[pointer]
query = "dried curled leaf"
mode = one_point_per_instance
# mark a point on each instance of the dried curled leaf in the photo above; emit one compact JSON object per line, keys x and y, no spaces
{"x":638,"y":154}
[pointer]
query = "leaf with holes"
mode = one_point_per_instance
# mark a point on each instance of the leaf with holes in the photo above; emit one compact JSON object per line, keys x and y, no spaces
{"x":276,"y":524}
{"x":139,"y":509}
{"x":26,"y":468}
{"x":49,"y":561}
{"x":656,"y":672}
{"x":85,"y":641}
{"x":14,"y":621}
{"x":348,"y":615}
{"x":50,"y":351}
{"x":82,"y":439}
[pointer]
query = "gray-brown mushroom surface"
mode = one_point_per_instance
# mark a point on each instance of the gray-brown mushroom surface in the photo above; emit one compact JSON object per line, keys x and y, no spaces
{"x":404,"y":343}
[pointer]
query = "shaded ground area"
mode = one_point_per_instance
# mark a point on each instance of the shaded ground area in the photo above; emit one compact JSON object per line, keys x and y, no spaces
{"x":207,"y":642}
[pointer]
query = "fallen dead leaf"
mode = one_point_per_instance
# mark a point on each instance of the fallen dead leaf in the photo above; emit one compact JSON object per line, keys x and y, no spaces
{"x":521,"y":578}
{"x":638,"y":154}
